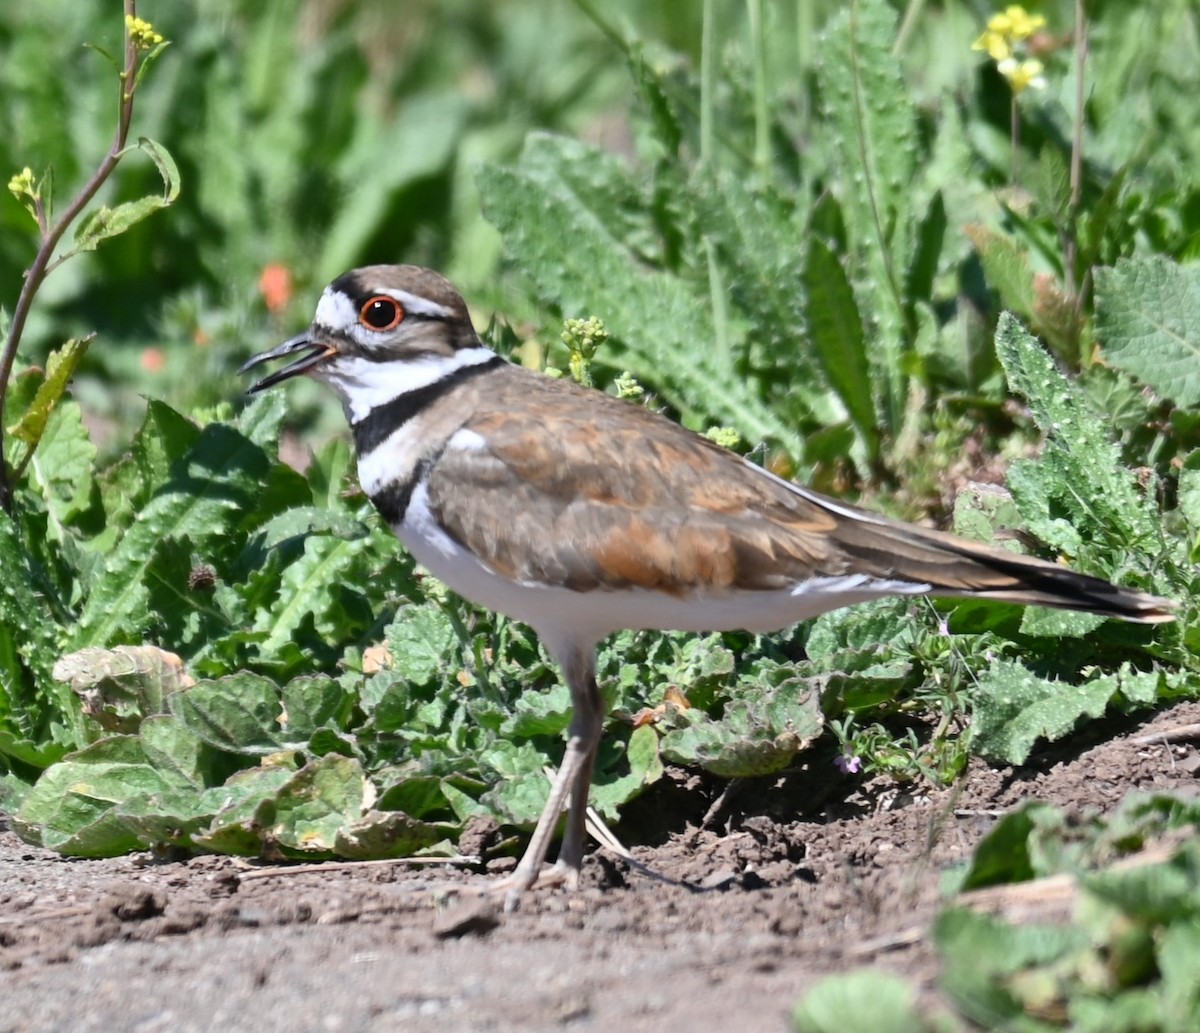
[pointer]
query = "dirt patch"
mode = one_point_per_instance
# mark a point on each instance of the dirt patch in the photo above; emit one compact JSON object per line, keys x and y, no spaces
{"x":791,"y":878}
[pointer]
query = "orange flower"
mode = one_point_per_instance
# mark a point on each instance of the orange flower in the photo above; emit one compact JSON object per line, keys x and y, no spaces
{"x":275,"y":284}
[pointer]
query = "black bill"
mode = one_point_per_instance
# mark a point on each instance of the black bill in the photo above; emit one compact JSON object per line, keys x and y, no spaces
{"x":312,"y":353}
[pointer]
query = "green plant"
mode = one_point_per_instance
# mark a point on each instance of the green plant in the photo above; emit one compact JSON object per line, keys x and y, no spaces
{"x":799,"y":281}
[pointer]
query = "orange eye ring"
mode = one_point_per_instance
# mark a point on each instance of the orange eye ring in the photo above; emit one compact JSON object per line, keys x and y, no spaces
{"x":380,"y":313}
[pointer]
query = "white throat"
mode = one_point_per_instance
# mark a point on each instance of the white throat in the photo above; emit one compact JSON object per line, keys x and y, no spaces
{"x":363,"y":385}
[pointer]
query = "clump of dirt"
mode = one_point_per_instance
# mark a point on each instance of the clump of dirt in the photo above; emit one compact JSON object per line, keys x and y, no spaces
{"x":741,"y":897}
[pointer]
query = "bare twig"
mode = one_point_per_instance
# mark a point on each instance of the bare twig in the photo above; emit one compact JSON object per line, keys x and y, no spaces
{"x":51,"y":235}
{"x":1180,"y":733}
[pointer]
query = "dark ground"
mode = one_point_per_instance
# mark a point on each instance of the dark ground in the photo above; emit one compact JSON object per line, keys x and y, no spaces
{"x":212,"y":943}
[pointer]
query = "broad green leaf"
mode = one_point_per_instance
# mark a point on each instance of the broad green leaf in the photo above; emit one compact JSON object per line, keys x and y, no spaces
{"x":310,"y":588}
{"x":422,"y":642}
{"x":1007,"y":268}
{"x":313,"y":702}
{"x":64,"y":464}
{"x":1148,"y":323}
{"x":167,"y":818}
{"x":836,"y":330}
{"x":127,"y":486}
{"x":239,"y":713}
{"x":540,"y":713}
{"x":208,"y":488}
{"x":1003,"y":856}
{"x":859,"y":1002}
{"x":70,"y":809}
{"x":645,"y":767}
{"x":522,"y":788}
{"x":980,"y":952}
{"x":174,"y":749}
{"x":313,"y":809}
{"x":760,"y":732}
{"x":1014,"y":708}
{"x":1080,"y":455}
{"x":236,"y":805}
{"x":380,"y":834}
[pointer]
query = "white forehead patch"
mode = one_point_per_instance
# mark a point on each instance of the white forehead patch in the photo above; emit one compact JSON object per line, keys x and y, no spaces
{"x":335,"y":311}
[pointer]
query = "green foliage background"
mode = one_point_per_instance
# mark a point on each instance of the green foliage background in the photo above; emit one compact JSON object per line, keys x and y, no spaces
{"x":803,"y":223}
{"x":806,"y":226}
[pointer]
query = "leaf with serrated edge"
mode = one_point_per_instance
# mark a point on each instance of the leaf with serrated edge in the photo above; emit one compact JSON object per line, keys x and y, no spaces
{"x":1148,"y":324}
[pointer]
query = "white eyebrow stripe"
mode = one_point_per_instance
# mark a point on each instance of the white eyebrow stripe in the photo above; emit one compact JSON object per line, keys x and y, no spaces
{"x":415,"y":304}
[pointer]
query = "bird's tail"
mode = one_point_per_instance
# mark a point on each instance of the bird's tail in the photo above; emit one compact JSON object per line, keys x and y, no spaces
{"x":954,"y":566}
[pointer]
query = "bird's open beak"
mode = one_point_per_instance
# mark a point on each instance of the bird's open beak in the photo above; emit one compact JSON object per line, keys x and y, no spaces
{"x":312,"y":353}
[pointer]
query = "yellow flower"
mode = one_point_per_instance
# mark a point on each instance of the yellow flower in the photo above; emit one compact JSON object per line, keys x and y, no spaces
{"x":1004,"y":41}
{"x":1016,"y":23}
{"x":21,"y":184}
{"x":1023,"y":75}
{"x":141,"y":33}
{"x":995,"y":43}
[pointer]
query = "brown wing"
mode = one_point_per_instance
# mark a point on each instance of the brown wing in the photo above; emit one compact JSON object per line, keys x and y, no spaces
{"x":602,"y":494}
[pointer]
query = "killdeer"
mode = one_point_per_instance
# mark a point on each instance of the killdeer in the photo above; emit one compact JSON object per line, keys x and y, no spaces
{"x":581,"y":514}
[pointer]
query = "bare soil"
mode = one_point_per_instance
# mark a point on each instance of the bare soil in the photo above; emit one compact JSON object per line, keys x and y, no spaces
{"x":790,"y":879}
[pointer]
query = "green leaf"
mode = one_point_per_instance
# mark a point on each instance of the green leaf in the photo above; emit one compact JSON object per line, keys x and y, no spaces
{"x":1003,"y":856}
{"x":107,"y":222}
{"x":313,"y":809}
{"x":310,"y":703}
{"x":209,"y":488}
{"x":422,"y":642}
{"x":540,"y":713}
{"x":859,"y":1002}
{"x":1081,"y":467}
{"x":380,"y":834}
{"x":1014,"y":708}
{"x":236,"y":807}
{"x":980,"y":952}
{"x":121,"y":686}
{"x":836,"y":330}
{"x":60,"y":368}
{"x":1148,"y":323}
{"x":71,"y":808}
{"x":760,"y":732}
{"x":35,"y":710}
{"x":873,"y":119}
{"x":239,"y":713}
{"x":1007,"y":268}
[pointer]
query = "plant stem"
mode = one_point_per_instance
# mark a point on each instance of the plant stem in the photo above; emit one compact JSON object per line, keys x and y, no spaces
{"x":912,"y":14}
{"x":1015,"y":136}
{"x":36,"y":273}
{"x":708,"y":83}
{"x":762,"y":121}
{"x":1075,"y":290}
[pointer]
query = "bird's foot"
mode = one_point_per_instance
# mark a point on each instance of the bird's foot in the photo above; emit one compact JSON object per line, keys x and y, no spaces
{"x":510,"y":888}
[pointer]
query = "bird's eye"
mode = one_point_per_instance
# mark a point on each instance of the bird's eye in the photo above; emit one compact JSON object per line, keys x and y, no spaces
{"x":381,"y":313}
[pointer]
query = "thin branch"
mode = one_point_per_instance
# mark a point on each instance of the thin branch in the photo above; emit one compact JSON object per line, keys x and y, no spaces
{"x":36,"y":273}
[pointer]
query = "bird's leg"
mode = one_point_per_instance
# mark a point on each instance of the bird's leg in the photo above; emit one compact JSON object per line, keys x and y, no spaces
{"x":587,"y":725}
{"x":574,"y":778}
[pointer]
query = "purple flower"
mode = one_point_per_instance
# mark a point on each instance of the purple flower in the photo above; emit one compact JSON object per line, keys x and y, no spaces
{"x":848,"y":765}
